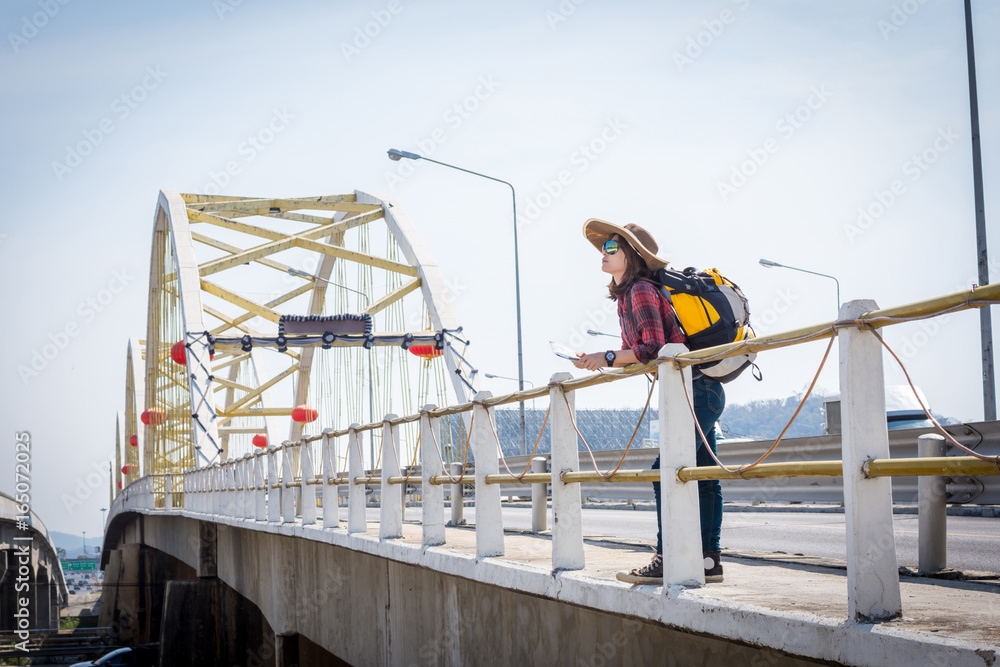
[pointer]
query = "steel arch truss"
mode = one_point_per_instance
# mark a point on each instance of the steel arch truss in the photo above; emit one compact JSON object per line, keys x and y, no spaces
{"x":240,"y":282}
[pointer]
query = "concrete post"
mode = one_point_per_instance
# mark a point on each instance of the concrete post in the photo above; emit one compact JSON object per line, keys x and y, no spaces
{"x":260,"y":492}
{"x":539,"y":498}
{"x":217,"y":489}
{"x":331,"y":516}
{"x":273,"y":492}
{"x":489,"y":520}
{"x":308,"y":490}
{"x":391,"y":511}
{"x":456,"y":497}
{"x":356,"y":520}
{"x":433,"y":494}
{"x":567,"y":514}
{"x":168,"y":492}
{"x":249,"y":496}
{"x":232,"y":508}
{"x":933,"y":512}
{"x":287,"y":492}
{"x":872,"y":570}
{"x":679,"y":514}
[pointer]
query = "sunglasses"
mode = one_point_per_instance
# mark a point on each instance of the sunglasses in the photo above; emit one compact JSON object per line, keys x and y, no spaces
{"x":610,"y":246}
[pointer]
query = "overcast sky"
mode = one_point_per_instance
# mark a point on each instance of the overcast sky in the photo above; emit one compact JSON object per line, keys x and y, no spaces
{"x":831,"y":136}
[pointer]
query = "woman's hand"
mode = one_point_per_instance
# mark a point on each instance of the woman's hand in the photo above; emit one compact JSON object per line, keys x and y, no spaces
{"x":591,"y":362}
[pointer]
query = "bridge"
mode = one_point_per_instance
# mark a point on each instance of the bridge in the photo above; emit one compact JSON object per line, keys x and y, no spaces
{"x":241,"y":532}
{"x":32,"y":586}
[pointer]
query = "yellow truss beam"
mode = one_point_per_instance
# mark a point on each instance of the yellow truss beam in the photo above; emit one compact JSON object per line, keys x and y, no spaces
{"x":256,"y":393}
{"x":257,"y":412}
{"x":354,"y":256}
{"x":243,"y":302}
{"x":228,"y":223}
{"x":263,"y":206}
{"x":223,"y":383}
{"x":286,"y":242}
{"x":230,"y":323}
{"x":238,"y":321}
{"x":392,"y":297}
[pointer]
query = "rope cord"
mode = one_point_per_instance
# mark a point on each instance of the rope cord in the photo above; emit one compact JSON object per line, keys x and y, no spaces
{"x":533,"y":449}
{"x":743,"y":468}
{"x":378,"y":461}
{"x":947,"y":436}
{"x":572,"y":419}
{"x":465,"y":452}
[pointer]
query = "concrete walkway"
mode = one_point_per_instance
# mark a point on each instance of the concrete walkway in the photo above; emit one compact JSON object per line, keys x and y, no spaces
{"x":940,"y":609}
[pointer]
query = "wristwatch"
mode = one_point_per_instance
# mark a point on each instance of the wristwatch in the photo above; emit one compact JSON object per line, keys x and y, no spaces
{"x":609,"y":356}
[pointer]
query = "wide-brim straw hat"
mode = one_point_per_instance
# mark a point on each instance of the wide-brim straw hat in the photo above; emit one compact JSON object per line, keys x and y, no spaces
{"x":599,"y":231}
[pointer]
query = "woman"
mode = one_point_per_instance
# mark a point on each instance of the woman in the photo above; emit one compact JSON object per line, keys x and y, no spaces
{"x":648,"y":323}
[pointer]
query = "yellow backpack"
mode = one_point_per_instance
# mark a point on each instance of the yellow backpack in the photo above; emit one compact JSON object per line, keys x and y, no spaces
{"x":712,"y":310}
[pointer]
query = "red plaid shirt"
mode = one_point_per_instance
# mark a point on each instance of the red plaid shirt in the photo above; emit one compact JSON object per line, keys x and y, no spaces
{"x":647,"y":321}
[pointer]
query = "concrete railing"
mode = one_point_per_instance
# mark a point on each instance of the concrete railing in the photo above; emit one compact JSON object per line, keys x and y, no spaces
{"x":283,"y":484}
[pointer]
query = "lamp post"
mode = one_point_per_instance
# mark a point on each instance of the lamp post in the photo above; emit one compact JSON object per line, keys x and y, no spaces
{"x":397,"y":155}
{"x":766,"y":263}
{"x":371,"y":390}
{"x":103,"y":510}
{"x":985,"y":317}
{"x":591,"y":332}
{"x":84,"y":543}
{"x":493,"y":376}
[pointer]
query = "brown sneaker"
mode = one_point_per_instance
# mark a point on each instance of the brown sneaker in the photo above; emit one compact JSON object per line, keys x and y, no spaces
{"x":713,"y":567}
{"x":650,"y":574}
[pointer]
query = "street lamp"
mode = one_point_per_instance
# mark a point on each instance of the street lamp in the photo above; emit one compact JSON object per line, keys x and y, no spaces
{"x":103,"y":510}
{"x":302,"y":274}
{"x":397,"y":155}
{"x":768,"y":264}
{"x":591,"y":332}
{"x":84,"y":543}
{"x":493,"y":376}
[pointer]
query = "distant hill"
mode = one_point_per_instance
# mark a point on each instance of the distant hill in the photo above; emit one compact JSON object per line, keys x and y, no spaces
{"x":765,"y":418}
{"x":73,"y":544}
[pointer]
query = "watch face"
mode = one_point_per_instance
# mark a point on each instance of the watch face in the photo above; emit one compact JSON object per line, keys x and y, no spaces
{"x":610,"y":356}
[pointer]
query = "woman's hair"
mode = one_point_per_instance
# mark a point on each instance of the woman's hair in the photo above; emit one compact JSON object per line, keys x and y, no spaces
{"x":635,"y":269}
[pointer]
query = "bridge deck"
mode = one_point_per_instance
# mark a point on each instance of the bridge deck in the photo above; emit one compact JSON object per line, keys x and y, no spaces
{"x":962,"y":610}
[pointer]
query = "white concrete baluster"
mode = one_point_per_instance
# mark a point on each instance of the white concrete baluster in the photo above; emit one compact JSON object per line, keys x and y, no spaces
{"x":249,"y":495}
{"x":331,"y":516}
{"x":260,"y":490}
{"x":231,"y":483}
{"x":274,"y":490}
{"x":308,"y":490}
{"x":216,"y":489}
{"x":287,"y":477}
{"x":567,"y":527}
{"x":679,"y":514}
{"x":489,"y":520}
{"x":391,"y":511}
{"x":357,"y":522}
{"x":872,"y":569}
{"x":433,"y":494}
{"x":168,"y":492}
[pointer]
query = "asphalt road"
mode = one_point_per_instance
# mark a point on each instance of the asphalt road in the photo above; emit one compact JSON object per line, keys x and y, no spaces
{"x":973,"y":542}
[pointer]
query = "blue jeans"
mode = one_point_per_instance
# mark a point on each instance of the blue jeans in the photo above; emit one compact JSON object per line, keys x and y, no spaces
{"x":709,"y":402}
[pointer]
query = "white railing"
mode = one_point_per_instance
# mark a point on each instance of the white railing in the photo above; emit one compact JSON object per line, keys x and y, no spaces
{"x":283,"y":484}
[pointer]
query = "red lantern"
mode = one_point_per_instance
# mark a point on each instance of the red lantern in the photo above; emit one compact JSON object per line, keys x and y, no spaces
{"x":260,"y":440}
{"x":304,"y":414}
{"x":154,"y":417}
{"x":119,"y":485}
{"x":133,"y":440}
{"x":425,"y":351}
{"x":179,"y":353}
{"x":125,"y":469}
